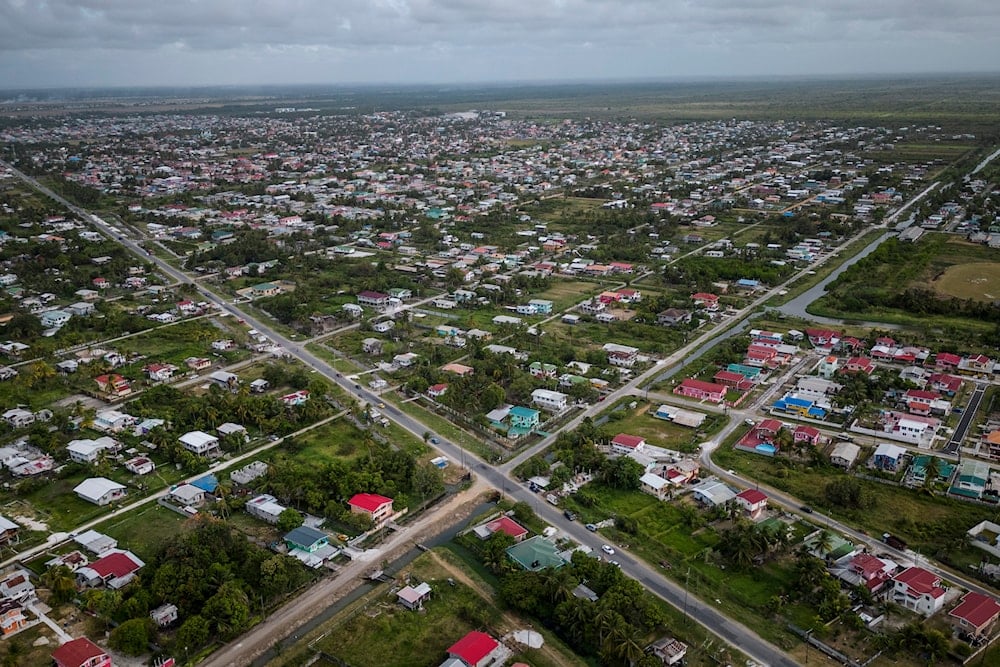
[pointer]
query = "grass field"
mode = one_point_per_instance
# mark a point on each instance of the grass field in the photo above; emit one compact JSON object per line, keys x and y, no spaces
{"x":145,"y":530}
{"x":641,"y":422}
{"x":979,"y":281}
{"x":566,"y":293}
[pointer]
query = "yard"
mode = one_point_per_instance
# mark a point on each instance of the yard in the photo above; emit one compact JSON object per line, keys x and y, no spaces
{"x":641,"y":422}
{"x":379,"y":631}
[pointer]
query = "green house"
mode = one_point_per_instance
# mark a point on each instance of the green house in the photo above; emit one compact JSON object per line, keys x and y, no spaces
{"x":524,"y":418}
{"x":306,"y":538}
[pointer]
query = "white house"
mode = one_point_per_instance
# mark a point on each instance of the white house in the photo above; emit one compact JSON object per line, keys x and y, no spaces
{"x":655,"y":485}
{"x":553,"y":401}
{"x":918,"y":590}
{"x":100,"y":490}
{"x":201,"y":443}
{"x":89,"y":451}
{"x":265,"y":507}
{"x":187,"y":495}
{"x":19,"y":417}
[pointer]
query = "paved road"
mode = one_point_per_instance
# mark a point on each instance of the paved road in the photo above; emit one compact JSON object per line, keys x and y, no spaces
{"x":955,"y":444}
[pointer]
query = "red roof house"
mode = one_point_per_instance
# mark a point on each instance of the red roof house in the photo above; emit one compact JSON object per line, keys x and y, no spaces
{"x":976,"y":613}
{"x":753,"y":502}
{"x":475,"y":649}
{"x":507,"y":525}
{"x":808,"y":434}
{"x":113,"y":570}
{"x":623,"y":443}
{"x":918,"y":590}
{"x":379,"y":508}
{"x":873,"y":571}
{"x":81,"y":653}
{"x":701,"y":390}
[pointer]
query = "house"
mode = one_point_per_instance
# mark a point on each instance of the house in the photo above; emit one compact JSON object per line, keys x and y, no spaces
{"x":673,"y":316}
{"x":113,"y":385}
{"x":823,"y":338}
{"x":623,"y":443}
{"x":95,"y":542}
{"x":476,"y":649}
{"x":669,"y":650}
{"x":100,"y":490}
{"x":552,"y":401}
{"x":377,"y":508}
{"x":753,"y":502}
{"x":114,"y":570}
{"x":164,"y":615}
{"x":383,"y":326}
{"x":828,"y":367}
{"x":306,"y":538}
{"x":201,"y":444}
{"x":918,"y":590}
{"x":976,"y":614}
{"x":807,"y":434}
{"x":12,"y":618}
{"x":186,"y":495}
{"x":709,"y":302}
{"x":225,"y":379}
{"x":372,"y":299}
{"x":295,"y":398}
{"x":159,"y":372}
{"x":869,"y":571}
{"x":265,"y":507}
{"x":89,"y":451}
{"x":140,"y":465}
{"x":198,"y":363}
{"x":406,"y":359}
{"x":8,"y":531}
{"x":542,"y":306}
{"x":888,"y":457}
{"x":264,"y":290}
{"x":713,"y":493}
{"x":53,"y":319}
{"x":259,"y":386}
{"x":701,"y":390}
{"x":413,"y":597}
{"x":503,"y":524}
{"x":19,"y":417}
{"x":654,"y":485}
{"x":372,"y":346}
{"x":81,"y":653}
{"x":844,"y":454}
{"x":542,"y":370}
{"x":859,"y":365}
{"x":524,"y":419}
{"x":17,"y":586}
{"x":437,"y":390}
{"x":81,"y":308}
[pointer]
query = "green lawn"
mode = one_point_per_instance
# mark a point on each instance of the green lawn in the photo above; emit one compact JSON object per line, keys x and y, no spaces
{"x":144,"y":530}
{"x":565,"y":293}
{"x":659,"y":432}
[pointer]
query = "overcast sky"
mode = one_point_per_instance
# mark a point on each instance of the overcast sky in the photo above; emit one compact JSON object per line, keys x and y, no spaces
{"x":45,"y":43}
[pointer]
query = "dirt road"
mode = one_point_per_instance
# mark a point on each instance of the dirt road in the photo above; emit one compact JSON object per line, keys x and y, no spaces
{"x":284,"y":621}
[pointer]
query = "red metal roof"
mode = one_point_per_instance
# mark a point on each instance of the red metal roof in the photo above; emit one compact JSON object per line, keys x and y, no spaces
{"x":473,"y":647}
{"x":921,"y":581}
{"x":77,"y":652}
{"x":976,"y":609}
{"x":117,"y":564}
{"x":752,"y":496}
{"x":370,"y":502}
{"x":626,"y":440}
{"x":507,"y":525}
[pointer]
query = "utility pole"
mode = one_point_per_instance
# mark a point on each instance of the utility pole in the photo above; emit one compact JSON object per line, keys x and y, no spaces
{"x":687,"y":576}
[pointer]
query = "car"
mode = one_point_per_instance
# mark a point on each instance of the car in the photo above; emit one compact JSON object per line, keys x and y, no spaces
{"x":381,"y":405}
{"x":591,"y":527}
{"x":601,"y":398}
{"x":570,"y":514}
{"x":806,"y":509}
{"x":615,"y":563}
{"x":435,"y":441}
{"x":749,"y":422}
{"x":357,"y":386}
{"x":608,"y":549}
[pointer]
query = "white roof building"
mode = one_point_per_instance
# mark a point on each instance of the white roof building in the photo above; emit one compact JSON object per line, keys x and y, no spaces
{"x":100,"y":490}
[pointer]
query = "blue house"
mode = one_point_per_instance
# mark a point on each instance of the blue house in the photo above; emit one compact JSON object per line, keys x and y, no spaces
{"x":524,"y":419}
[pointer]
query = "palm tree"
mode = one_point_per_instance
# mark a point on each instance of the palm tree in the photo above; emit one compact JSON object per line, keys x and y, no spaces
{"x":823,"y":544}
{"x":932,"y":469}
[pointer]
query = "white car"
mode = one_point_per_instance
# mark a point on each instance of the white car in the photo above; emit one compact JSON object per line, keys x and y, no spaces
{"x":608,"y":550}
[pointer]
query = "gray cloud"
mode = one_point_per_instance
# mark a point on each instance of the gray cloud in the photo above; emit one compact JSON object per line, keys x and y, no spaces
{"x":59,"y":42}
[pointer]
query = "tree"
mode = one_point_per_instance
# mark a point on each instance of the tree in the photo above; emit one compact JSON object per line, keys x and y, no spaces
{"x":61,"y":582}
{"x":622,"y":473}
{"x":192,"y":634}
{"x":132,"y":636}
{"x":289,"y":519}
{"x":229,"y":609}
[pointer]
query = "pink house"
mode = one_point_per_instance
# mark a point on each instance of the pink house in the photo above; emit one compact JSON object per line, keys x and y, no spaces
{"x":378,"y":508}
{"x":859,"y":365}
{"x":808,"y":434}
{"x":701,"y":390}
{"x":705,"y":300}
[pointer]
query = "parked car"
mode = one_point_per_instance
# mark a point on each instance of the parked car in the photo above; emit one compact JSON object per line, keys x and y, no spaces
{"x":608,"y":549}
{"x":570,"y":514}
{"x":591,"y":527}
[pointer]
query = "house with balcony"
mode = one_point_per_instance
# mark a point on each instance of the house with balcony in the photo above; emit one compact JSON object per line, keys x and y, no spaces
{"x":700,"y":390}
{"x":376,"y":507}
{"x":551,"y":401}
{"x":918,"y":590}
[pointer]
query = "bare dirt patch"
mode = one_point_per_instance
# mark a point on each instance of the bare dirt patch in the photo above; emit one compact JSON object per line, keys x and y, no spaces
{"x":979,"y":281}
